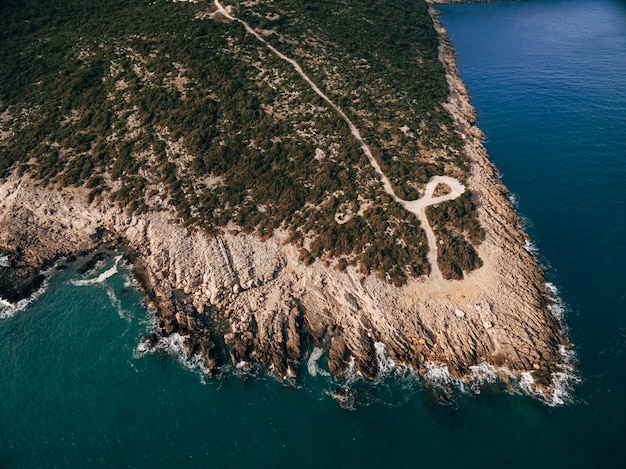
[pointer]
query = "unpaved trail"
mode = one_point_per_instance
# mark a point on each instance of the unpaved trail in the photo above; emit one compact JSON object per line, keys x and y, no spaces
{"x":416,"y":207}
{"x":499,"y":323}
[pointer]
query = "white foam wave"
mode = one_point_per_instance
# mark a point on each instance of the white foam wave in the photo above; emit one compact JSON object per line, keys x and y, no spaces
{"x":385,"y":363}
{"x":526,"y":223}
{"x":514,"y":199}
{"x":552,"y":289}
{"x":437,"y":377}
{"x":560,"y":392}
{"x":4,"y":261}
{"x":288,"y":377}
{"x":141,"y":349}
{"x":559,"y":395}
{"x":527,"y":383}
{"x":345,"y":397}
{"x":100,"y":278}
{"x":563,"y":385}
{"x":312,"y":366}
{"x":406,"y":372}
{"x":566,"y":379}
{"x":246,"y":369}
{"x":129,"y":279}
{"x":438,"y":374}
{"x":174,"y":345}
{"x":481,"y":375}
{"x":531,"y":247}
{"x":447,"y":388}
{"x":556,"y":308}
{"x":444,"y":385}
{"x":150,"y":321}
{"x":484,"y":374}
{"x":8,"y":309}
{"x":117,"y":304}
{"x":290,"y":374}
{"x":568,"y":355}
{"x":351,"y":375}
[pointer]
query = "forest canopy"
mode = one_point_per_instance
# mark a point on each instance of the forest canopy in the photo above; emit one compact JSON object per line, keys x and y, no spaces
{"x":156,"y":106}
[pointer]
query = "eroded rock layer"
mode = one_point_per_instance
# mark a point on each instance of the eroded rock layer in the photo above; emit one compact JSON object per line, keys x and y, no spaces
{"x":261,"y":302}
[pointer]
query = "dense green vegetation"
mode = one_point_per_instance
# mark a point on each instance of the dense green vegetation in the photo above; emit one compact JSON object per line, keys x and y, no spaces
{"x":456,"y":224}
{"x":151,"y":105}
{"x":379,"y":61}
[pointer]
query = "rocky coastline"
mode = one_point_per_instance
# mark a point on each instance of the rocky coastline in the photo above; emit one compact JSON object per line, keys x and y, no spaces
{"x":237,"y":299}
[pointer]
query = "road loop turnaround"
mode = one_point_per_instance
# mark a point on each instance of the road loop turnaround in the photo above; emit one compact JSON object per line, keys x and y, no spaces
{"x":417,"y":207}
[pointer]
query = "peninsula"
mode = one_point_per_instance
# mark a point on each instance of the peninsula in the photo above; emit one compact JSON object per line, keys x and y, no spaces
{"x":284,"y":176}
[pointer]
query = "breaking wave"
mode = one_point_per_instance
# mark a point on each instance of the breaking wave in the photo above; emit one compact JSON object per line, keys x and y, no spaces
{"x":117,"y":304}
{"x":397,"y":382}
{"x":386,"y":364}
{"x":174,"y":346}
{"x":8,"y":309}
{"x":485,"y":376}
{"x":100,"y":278}
{"x":351,"y":375}
{"x":562,"y":391}
{"x":556,"y":307}
{"x":531,"y":247}
{"x":345,"y":397}
{"x":312,"y":366}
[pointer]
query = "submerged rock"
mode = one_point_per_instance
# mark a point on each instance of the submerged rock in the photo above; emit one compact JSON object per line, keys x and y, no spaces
{"x":17,"y":283}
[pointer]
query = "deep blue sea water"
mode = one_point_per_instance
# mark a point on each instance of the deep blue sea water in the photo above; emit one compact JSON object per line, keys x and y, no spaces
{"x":548,"y":79}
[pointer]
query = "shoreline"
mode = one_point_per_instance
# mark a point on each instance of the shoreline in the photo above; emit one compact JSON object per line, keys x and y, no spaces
{"x":498,"y":215}
{"x":274,"y":307}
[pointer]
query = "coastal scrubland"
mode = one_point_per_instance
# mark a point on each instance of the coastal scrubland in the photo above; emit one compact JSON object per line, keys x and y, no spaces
{"x":260,"y":181}
{"x":156,"y":106}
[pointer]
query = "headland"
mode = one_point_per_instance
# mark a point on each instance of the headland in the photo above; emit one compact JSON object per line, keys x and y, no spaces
{"x":240,"y":297}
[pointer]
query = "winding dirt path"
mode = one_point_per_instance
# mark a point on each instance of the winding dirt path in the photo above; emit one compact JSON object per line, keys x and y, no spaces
{"x":416,"y":207}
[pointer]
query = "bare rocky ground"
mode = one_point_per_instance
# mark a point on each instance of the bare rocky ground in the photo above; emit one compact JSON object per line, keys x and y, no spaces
{"x":271,"y":308}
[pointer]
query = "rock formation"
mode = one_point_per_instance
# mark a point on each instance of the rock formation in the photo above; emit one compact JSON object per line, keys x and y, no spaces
{"x":259,"y":300}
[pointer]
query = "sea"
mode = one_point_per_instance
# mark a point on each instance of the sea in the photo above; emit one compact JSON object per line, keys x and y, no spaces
{"x":79,"y":388}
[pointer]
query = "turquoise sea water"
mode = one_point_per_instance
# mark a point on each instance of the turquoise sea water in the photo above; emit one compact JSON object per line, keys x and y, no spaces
{"x":548,"y":80}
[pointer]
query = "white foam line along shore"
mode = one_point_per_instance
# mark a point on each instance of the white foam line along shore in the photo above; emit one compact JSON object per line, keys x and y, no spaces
{"x":416,"y":207}
{"x":100,"y":278}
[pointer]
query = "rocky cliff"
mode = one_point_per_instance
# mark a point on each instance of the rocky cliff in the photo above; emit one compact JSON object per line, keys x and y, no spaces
{"x":259,"y":300}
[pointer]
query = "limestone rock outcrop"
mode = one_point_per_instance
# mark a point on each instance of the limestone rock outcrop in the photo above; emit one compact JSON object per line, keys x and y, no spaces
{"x":236,"y":298}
